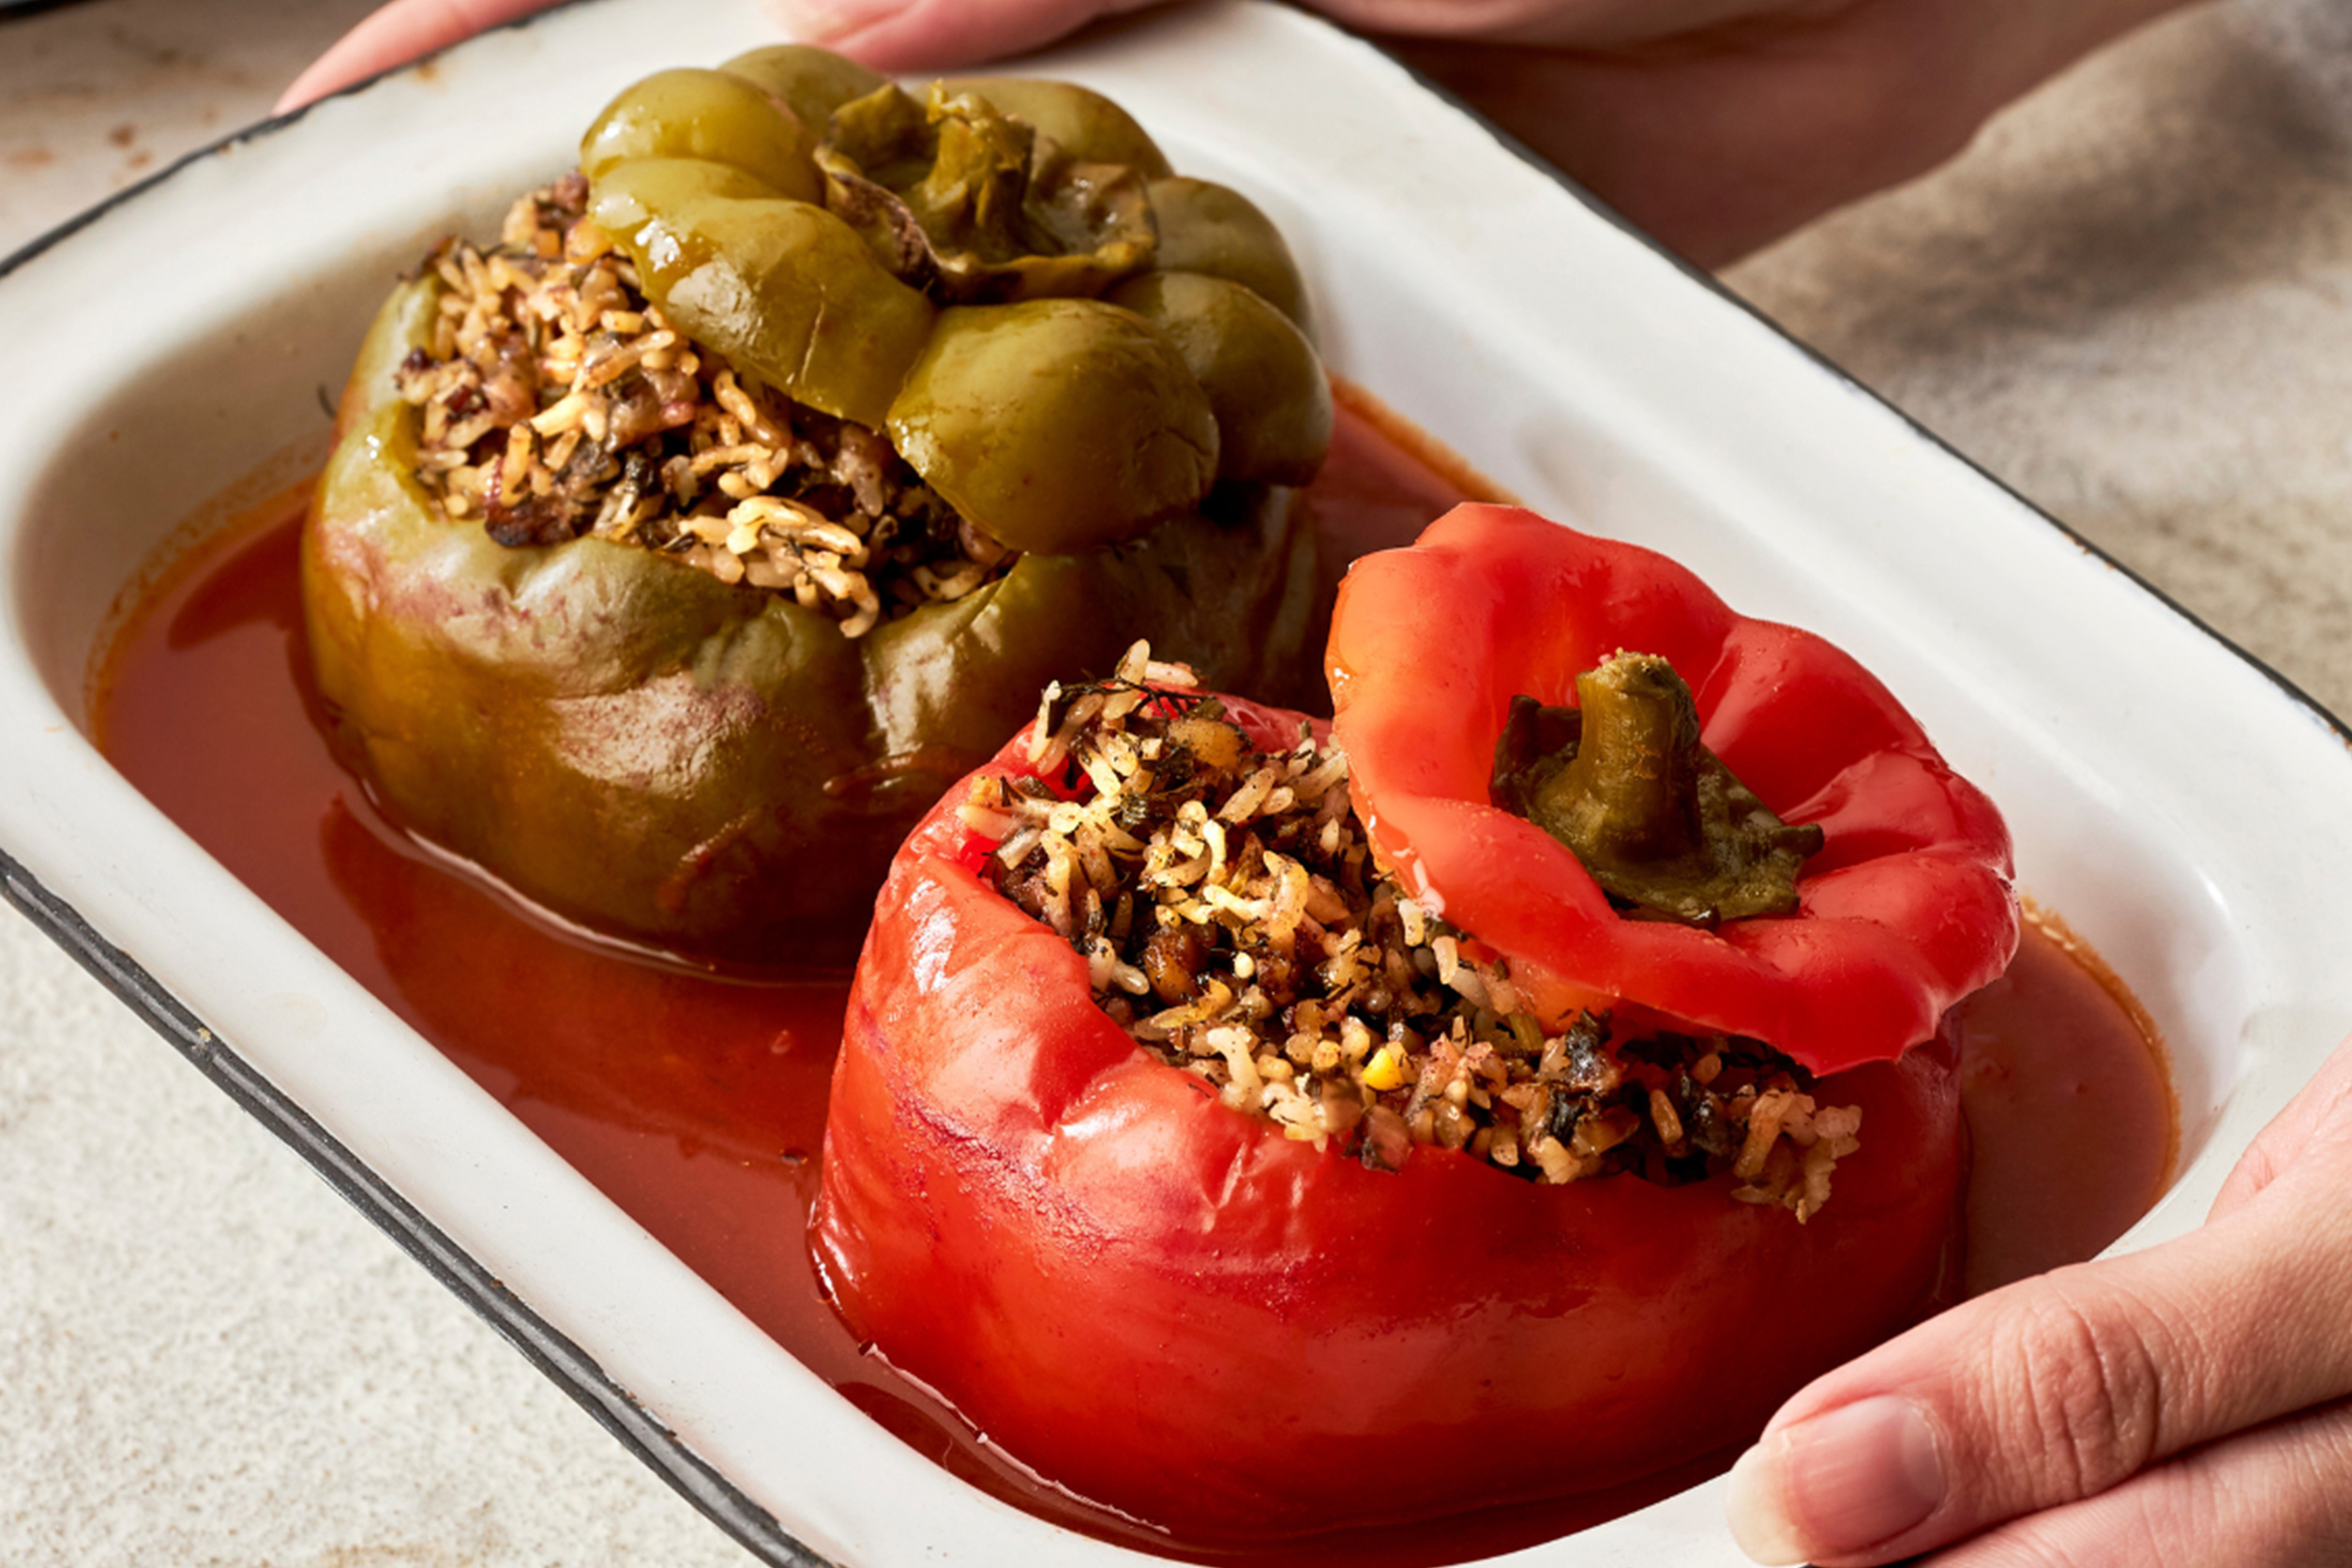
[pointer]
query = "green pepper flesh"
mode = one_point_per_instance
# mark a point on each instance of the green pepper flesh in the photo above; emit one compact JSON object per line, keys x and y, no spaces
{"x":1056,"y":424}
{"x":1213,"y":229}
{"x":1266,"y":388}
{"x":602,"y":718}
{"x":707,"y":115}
{"x":989,"y":192}
{"x":812,"y":82}
{"x":713,"y":771}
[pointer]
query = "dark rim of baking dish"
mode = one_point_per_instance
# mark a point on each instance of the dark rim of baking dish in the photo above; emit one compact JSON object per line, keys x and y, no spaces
{"x":556,"y":1356}
{"x":553,"y":1353}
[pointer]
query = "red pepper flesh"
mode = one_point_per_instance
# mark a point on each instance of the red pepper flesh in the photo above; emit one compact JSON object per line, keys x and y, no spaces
{"x":1166,"y":1307}
{"x":1907,"y":909}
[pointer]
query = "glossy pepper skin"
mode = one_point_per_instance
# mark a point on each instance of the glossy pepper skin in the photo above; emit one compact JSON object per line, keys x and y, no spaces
{"x":716,"y":772}
{"x":1068,"y":342}
{"x":1905,"y":910}
{"x":707,"y":770}
{"x":1169,"y":1307}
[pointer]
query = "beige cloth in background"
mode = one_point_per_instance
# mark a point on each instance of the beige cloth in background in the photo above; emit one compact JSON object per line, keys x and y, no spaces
{"x":2131,"y":300}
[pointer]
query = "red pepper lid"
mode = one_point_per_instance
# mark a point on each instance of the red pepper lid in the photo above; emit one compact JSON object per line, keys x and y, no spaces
{"x":1907,"y":908}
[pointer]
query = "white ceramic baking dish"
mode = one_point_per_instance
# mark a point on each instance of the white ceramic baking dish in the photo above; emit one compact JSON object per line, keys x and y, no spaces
{"x":2180,"y":806}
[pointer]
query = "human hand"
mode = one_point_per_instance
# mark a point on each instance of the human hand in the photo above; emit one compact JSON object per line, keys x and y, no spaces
{"x":398,"y":32}
{"x":2187,"y":1404}
{"x":1716,"y":125}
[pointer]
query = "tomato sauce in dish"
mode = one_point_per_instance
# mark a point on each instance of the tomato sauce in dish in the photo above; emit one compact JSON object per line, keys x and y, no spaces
{"x":2073,"y":1132}
{"x":697,"y":1104}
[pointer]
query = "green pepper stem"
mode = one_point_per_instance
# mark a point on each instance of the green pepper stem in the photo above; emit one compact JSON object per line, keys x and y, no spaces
{"x":1660,"y":822}
{"x":1632,"y":790}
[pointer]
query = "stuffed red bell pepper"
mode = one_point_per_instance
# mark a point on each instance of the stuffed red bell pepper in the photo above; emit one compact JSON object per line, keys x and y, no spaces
{"x":1223,"y":1175}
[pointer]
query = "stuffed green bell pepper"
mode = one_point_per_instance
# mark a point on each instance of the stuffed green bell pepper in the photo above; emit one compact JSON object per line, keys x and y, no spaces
{"x":678,"y":550}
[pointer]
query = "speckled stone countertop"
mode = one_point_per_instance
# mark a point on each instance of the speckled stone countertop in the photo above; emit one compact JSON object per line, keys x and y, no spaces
{"x":2129,"y":300}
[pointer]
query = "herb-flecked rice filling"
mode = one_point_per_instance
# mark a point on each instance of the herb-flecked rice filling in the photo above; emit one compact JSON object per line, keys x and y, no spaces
{"x":556,"y":402}
{"x":1235,"y":923}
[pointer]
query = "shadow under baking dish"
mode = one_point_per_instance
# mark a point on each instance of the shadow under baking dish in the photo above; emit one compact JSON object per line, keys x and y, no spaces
{"x":2179,"y":805}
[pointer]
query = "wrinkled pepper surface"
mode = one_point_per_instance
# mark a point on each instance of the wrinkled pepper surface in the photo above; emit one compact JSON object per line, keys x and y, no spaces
{"x":1167,"y":1305}
{"x":715,"y":770}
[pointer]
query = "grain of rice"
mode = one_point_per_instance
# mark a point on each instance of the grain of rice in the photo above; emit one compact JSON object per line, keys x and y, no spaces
{"x":550,"y":385}
{"x":1316,"y":993}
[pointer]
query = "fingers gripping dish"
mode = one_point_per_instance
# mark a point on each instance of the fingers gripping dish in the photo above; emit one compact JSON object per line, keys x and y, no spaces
{"x":1262,"y":1135}
{"x":679,"y":548}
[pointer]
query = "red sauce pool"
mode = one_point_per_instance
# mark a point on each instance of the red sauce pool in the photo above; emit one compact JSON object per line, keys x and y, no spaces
{"x":697,"y":1104}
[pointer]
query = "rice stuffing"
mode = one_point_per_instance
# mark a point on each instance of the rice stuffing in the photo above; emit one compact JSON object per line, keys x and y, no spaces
{"x":1234,"y":922}
{"x":556,"y":402}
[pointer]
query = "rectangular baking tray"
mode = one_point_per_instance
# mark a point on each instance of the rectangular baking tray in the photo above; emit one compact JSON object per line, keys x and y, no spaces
{"x":2179,"y":805}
